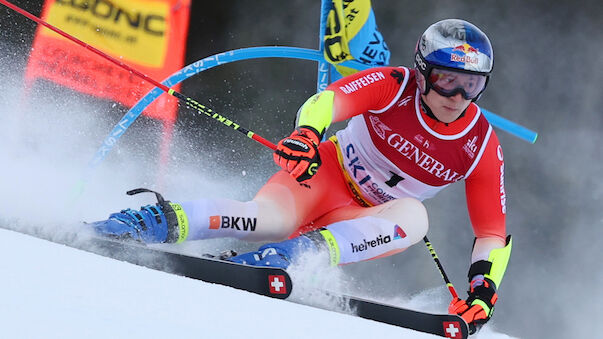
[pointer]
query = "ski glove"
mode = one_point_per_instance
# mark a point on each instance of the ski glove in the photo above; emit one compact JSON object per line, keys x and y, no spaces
{"x":298,"y":154}
{"x":479,"y":306}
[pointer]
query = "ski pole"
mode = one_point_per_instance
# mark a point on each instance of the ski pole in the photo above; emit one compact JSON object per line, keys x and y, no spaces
{"x":434,"y":255}
{"x":191,"y":103}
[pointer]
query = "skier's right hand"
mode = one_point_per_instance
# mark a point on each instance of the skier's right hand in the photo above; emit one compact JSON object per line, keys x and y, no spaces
{"x":298,"y":153}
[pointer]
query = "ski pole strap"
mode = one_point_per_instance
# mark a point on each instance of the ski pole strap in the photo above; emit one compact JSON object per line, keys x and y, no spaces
{"x":494,"y":268}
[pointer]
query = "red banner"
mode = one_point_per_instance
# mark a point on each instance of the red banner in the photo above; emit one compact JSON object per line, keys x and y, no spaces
{"x":148,"y":35}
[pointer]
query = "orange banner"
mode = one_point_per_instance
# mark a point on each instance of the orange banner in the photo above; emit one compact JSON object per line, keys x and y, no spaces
{"x":148,"y":35}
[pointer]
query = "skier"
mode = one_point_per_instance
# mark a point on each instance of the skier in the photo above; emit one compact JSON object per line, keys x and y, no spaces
{"x":357,"y":196}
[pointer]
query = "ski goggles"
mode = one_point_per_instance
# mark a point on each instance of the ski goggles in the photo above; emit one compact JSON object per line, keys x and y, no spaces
{"x":449,"y":83}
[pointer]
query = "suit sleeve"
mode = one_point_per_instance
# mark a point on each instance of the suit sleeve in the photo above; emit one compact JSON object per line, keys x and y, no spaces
{"x":368,"y":90}
{"x":485,"y":190}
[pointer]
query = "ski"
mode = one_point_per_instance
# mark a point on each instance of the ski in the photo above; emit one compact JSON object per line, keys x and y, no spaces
{"x":268,"y":281}
{"x":444,"y":325}
{"x":274,"y":282}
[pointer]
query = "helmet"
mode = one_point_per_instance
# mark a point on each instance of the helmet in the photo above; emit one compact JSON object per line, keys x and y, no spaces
{"x":453,"y":56}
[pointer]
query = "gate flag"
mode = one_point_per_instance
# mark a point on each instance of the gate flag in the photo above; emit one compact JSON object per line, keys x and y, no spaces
{"x":149,"y":35}
{"x":351,"y":33}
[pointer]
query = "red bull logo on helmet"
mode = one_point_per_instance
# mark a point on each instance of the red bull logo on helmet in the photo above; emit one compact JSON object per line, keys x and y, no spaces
{"x":464,"y":58}
{"x":466,"y":48}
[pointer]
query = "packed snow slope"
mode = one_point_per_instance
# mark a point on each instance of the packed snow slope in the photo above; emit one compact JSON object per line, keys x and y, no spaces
{"x":54,"y":291}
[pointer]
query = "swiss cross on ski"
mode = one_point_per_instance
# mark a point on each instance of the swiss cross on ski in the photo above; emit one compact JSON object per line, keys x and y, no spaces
{"x":452,"y":329}
{"x":277,"y":284}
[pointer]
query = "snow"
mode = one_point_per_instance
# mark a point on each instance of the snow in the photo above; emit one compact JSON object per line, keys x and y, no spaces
{"x":54,"y":291}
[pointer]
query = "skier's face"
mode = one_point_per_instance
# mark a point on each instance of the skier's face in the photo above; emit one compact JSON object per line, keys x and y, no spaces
{"x":446,"y":109}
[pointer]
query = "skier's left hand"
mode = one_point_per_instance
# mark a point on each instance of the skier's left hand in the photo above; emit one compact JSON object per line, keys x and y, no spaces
{"x":479,"y":306}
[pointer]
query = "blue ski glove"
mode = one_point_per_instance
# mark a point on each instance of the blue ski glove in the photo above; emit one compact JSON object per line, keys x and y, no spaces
{"x":280,"y":254}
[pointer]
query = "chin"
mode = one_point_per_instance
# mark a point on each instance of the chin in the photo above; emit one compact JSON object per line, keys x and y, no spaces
{"x":446,"y":121}
{"x":448,"y":117}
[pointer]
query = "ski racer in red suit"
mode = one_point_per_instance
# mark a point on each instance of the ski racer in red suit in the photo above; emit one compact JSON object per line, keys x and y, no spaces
{"x":357,"y":196}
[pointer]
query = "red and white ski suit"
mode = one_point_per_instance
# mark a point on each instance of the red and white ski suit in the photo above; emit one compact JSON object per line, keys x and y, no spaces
{"x":373,"y":173}
{"x":391,"y":149}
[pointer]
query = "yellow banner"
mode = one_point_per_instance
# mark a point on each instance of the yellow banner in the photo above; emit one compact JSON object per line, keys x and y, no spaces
{"x":147,"y":35}
{"x":135,"y":28}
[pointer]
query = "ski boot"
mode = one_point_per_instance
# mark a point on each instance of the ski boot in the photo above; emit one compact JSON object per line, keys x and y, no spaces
{"x":164,"y":222}
{"x":280,"y":254}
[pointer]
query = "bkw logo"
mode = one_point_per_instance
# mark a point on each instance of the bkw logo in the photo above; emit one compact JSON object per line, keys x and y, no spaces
{"x":238,"y":223}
